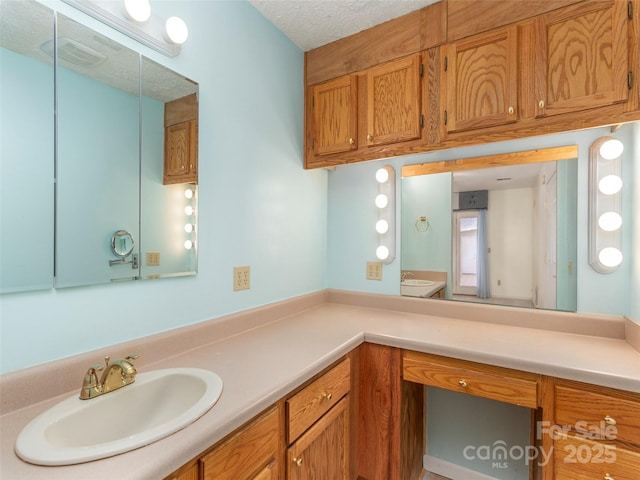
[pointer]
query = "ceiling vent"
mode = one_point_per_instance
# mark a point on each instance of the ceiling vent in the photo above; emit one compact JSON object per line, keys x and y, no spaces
{"x":75,"y":52}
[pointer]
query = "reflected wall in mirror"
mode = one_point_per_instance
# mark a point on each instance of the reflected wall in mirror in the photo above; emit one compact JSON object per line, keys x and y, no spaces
{"x":168,"y":213}
{"x":109,"y":160}
{"x":26,"y":147}
{"x":98,"y":154}
{"x":511,"y":241}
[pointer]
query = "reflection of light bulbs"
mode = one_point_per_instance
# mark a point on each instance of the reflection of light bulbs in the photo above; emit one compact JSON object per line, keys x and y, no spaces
{"x":382,"y":175}
{"x":610,"y":221}
{"x":188,"y":193}
{"x":188,"y":228}
{"x":188,"y":244}
{"x":382,"y":200}
{"x":382,"y":252}
{"x":382,"y":226}
{"x":188,"y":210}
{"x":611,"y":149}
{"x":176,"y":30}
{"x":138,"y":10}
{"x":610,"y":257}
{"x":610,"y":184}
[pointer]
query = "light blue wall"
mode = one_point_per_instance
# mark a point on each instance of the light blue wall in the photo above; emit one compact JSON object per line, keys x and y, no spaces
{"x":635,"y":258}
{"x":257,"y":205}
{"x":352,"y":238}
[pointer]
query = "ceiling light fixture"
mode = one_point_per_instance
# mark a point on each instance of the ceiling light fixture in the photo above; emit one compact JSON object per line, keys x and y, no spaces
{"x":135,"y":19}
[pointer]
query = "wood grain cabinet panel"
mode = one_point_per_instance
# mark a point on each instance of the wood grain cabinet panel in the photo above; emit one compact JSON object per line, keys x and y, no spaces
{"x":495,"y":383}
{"x":250,"y":454}
{"x":181,"y":141}
{"x":322,"y":452}
{"x":394,"y":107}
{"x":581,"y":57}
{"x":334,"y":107}
{"x":480,"y":84}
{"x":578,"y":458}
{"x":308,"y":405}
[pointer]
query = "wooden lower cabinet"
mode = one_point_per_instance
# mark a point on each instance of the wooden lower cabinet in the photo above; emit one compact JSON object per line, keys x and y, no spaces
{"x":323,"y":451}
{"x":250,"y":454}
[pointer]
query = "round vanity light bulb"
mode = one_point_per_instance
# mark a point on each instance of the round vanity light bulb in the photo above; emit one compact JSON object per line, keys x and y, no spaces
{"x":382,"y":175}
{"x":610,"y":184}
{"x":611,"y":149}
{"x":382,"y":252}
{"x":188,"y":193}
{"x":382,"y":200}
{"x":382,"y":226}
{"x":188,"y":210}
{"x":610,"y":257}
{"x":138,"y":10}
{"x":188,"y":228}
{"x":610,"y":221}
{"x":176,"y":30}
{"x":188,"y":244}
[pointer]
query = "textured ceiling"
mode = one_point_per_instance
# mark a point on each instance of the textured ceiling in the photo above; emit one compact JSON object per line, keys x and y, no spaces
{"x":313,"y":23}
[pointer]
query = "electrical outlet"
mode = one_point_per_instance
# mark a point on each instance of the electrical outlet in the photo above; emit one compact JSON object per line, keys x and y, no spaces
{"x":374,"y":270}
{"x":153,"y":259}
{"x":241,"y":278}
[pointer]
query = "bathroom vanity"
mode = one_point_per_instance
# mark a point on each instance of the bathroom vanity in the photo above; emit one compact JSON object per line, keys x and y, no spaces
{"x":347,"y":372}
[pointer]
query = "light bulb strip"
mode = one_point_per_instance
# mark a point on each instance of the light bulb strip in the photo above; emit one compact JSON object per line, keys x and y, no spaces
{"x":385,"y":226}
{"x":605,"y":207}
{"x":150,"y":33}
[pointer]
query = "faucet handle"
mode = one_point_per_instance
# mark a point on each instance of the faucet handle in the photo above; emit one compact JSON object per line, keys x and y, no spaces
{"x":133,"y":356}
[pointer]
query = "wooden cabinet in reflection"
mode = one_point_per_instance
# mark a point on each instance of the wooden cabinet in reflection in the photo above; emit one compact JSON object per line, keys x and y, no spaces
{"x":181,"y":141}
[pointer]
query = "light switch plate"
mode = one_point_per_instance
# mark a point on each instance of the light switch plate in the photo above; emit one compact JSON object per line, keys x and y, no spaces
{"x":374,"y":270}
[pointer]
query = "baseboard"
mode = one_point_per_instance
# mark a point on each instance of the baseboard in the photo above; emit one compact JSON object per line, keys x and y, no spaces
{"x":451,"y":470}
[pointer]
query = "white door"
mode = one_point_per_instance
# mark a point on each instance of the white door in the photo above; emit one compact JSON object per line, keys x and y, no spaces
{"x":549,"y":278}
{"x":465,"y":252}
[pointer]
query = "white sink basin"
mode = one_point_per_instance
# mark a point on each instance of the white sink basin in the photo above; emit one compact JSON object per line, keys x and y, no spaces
{"x":417,"y":283}
{"x":417,"y":288}
{"x":156,"y":405}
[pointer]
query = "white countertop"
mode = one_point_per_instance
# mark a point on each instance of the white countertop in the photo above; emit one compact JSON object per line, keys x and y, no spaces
{"x":261,"y":365}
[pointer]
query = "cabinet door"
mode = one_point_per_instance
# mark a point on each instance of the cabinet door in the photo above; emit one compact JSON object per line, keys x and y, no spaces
{"x":481,"y":80}
{"x":581,"y":57}
{"x":323,"y":451}
{"x":180,"y":156}
{"x":393,"y":101}
{"x":335,"y":116}
{"x":250,"y":454}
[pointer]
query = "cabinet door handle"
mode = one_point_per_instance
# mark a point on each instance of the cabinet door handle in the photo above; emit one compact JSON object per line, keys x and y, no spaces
{"x":608,"y":477}
{"x":511,"y":110}
{"x":298,"y":461}
{"x":462,"y":383}
{"x":541,"y":104}
{"x":609,"y":420}
{"x":327,"y":396}
{"x":351,"y":141}
{"x":369,"y":137}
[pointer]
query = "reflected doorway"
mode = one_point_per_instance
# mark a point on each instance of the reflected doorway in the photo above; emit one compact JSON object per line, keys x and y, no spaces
{"x":465,"y":252}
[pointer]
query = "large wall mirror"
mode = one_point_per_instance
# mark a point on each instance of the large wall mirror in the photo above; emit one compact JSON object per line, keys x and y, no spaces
{"x":504,"y":235}
{"x":109,"y":161}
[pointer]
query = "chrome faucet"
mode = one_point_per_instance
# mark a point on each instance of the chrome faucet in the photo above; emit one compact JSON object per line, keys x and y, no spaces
{"x":116,"y":375}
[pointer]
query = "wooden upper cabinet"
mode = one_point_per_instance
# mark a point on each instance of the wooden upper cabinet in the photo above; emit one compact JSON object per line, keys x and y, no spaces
{"x":335,"y":116}
{"x":581,"y":57}
{"x":394,"y":101}
{"x":181,"y":141}
{"x":480,"y":86}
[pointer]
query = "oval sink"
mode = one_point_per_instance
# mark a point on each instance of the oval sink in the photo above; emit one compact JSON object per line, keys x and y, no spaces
{"x":417,"y":283}
{"x":156,"y":405}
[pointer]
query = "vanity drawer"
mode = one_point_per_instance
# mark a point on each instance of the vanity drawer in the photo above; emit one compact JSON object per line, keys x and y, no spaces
{"x":598,"y":411}
{"x":577,"y":458}
{"x":310,"y":403}
{"x":496,"y":383}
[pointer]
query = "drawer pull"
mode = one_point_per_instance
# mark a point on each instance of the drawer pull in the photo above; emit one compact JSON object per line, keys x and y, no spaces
{"x":327,"y":396}
{"x":608,"y":477}
{"x":609,"y":420}
{"x":298,"y":462}
{"x":462,"y":383}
